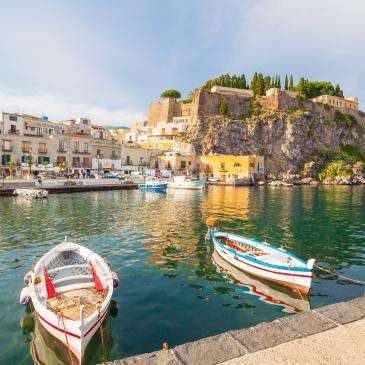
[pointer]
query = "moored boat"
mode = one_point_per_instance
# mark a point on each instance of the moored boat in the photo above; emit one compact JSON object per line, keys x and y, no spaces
{"x":70,"y":288}
{"x":186,"y":182}
{"x":31,"y":193}
{"x":153,"y":184}
{"x":266,"y":291}
{"x":262,"y":259}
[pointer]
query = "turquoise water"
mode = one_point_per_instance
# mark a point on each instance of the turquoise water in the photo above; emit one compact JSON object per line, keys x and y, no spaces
{"x":170,"y":291}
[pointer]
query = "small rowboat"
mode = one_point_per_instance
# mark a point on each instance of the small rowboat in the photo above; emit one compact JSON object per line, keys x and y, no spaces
{"x":262,"y":259}
{"x":31,"y":193}
{"x":70,"y":288}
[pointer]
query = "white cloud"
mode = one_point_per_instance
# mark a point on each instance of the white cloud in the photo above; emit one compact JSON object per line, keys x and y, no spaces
{"x":58,"y":109}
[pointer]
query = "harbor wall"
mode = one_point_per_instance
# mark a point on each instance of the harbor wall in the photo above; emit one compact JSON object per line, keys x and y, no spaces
{"x":238,"y":344}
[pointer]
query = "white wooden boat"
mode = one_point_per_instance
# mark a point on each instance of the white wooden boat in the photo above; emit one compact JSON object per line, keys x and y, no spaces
{"x":185,"y":182}
{"x":266,"y":291}
{"x":262,"y":259}
{"x":31,"y":193}
{"x":70,"y":288}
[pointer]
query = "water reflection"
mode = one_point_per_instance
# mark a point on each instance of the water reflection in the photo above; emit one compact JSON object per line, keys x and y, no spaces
{"x":46,"y":349}
{"x":169,"y":286}
{"x":269,"y":293}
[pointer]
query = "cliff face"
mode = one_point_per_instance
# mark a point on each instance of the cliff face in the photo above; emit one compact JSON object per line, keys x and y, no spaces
{"x":286,"y":139}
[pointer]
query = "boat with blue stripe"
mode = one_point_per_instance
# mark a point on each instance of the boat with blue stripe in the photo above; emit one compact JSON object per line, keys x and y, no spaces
{"x":262,"y":259}
{"x":153,"y":184}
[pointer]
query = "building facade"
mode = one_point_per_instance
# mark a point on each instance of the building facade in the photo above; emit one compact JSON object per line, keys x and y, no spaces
{"x":230,"y":169}
{"x":349,"y":102}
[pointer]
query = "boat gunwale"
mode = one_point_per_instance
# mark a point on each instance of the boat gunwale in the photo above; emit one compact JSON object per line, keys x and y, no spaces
{"x":303,"y":268}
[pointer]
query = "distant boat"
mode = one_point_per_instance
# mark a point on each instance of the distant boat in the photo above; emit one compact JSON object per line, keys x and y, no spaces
{"x":268,"y":292}
{"x":262,"y":259}
{"x":185,"y":182}
{"x":153,"y":184}
{"x":70,"y":288}
{"x":31,"y":193}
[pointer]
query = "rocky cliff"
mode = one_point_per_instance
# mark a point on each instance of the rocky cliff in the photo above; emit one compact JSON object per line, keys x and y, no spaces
{"x":287,"y":139}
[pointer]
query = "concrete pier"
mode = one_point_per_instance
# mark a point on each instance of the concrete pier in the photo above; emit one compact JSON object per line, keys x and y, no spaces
{"x":67,"y":186}
{"x":334,"y":334}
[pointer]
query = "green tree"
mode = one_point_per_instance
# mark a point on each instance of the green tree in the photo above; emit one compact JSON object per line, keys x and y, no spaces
{"x":260,"y":86}
{"x":253,"y":85}
{"x":286,"y":85}
{"x":223,"y":107}
{"x":338,"y":92}
{"x":171,"y":93}
{"x":291,"y":83}
{"x":267,"y":83}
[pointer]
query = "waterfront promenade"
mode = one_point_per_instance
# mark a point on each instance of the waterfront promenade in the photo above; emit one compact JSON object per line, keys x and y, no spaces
{"x":334,"y":334}
{"x":57,"y":186}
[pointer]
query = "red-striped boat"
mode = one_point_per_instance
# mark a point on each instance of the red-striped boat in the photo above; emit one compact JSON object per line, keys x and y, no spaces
{"x":70,"y":288}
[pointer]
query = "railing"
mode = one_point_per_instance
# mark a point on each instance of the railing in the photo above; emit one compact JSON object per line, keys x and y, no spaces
{"x":61,"y":150}
{"x":26,"y":150}
{"x":84,"y":152}
{"x":42,"y":151}
{"x":13,"y":131}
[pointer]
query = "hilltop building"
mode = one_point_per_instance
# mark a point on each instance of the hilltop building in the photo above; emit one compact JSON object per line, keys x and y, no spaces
{"x":349,"y":102}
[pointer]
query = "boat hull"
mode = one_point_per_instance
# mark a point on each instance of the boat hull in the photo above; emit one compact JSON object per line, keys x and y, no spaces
{"x":295,"y":280}
{"x":71,"y":335}
{"x":153,"y":187}
{"x":188,"y":184}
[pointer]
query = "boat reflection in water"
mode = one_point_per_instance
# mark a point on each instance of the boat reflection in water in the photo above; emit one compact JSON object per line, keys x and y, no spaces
{"x":46,"y":349}
{"x":268,"y":292}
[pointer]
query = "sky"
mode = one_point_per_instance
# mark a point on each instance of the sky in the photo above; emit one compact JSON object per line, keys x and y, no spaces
{"x":108,"y":60}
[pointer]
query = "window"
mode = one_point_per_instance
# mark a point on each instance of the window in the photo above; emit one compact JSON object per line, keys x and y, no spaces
{"x":42,"y":148}
{"x":183,"y":164}
{"x":39,"y":130}
{"x":128,"y":160}
{"x":61,"y":146}
{"x":236,"y":164}
{"x":25,"y":159}
{"x":51,"y":131}
{"x":223,"y":166}
{"x":76,"y":146}
{"x":26,"y":147}
{"x":86,"y":147}
{"x":7,"y":146}
{"x":98,"y":153}
{"x":85,"y":162}
{"x":61,"y":160}
{"x":13,"y":118}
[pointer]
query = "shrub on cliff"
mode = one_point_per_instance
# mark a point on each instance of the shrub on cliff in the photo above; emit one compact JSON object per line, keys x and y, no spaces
{"x":223,"y":108}
{"x":346,"y":119}
{"x":171,"y":93}
{"x":334,"y":169}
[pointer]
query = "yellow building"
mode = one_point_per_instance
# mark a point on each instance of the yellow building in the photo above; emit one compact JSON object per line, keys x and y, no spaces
{"x":231,"y":169}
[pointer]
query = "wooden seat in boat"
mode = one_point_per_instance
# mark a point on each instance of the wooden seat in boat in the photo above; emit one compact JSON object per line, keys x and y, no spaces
{"x":68,"y":303}
{"x":252,"y":251}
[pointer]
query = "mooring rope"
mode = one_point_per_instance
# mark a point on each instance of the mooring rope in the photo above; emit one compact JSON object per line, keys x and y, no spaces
{"x":105,"y":354}
{"x":360,"y":282}
{"x":68,"y":345}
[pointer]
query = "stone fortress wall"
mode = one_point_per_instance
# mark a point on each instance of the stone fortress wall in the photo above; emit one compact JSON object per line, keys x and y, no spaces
{"x":206,"y":104}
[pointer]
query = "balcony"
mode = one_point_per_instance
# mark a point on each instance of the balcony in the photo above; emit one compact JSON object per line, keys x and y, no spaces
{"x":76,"y":164}
{"x":28,"y":132}
{"x":84,"y":152}
{"x":7,"y":148}
{"x":26,"y":150}
{"x":13,"y":131}
{"x":42,"y":151}
{"x":61,"y":150}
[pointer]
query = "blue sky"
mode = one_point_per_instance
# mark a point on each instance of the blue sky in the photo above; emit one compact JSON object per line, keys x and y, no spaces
{"x":109,"y":59}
